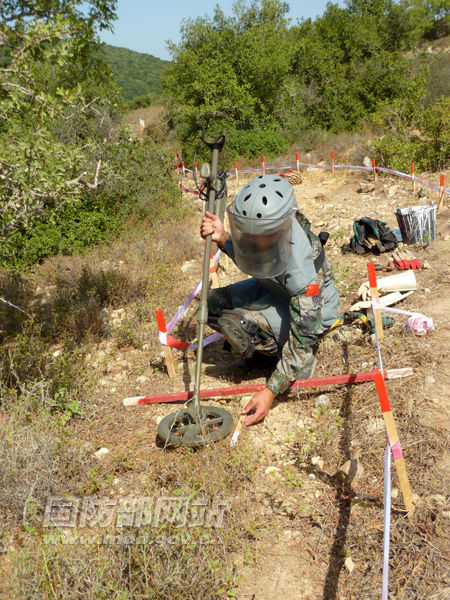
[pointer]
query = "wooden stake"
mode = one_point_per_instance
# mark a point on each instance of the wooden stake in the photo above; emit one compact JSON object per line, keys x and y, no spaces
{"x":236,"y":171}
{"x":332,"y":161}
{"x":413,"y":179}
{"x":374,"y":167}
{"x":441,"y":193}
{"x":298,"y":161}
{"x":213,"y":272}
{"x":263,"y":165}
{"x":374,"y":292}
{"x":394,"y":442}
{"x":170,"y":364}
{"x":141,"y":128}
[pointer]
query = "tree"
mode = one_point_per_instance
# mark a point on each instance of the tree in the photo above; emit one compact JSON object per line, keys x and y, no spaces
{"x":226,"y":75}
{"x":53,"y":88}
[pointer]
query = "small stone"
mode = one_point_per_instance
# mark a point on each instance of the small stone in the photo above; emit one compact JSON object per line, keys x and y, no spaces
{"x":186,"y":267}
{"x":322,"y":401}
{"x":349,"y":564}
{"x":373,"y":339}
{"x":394,"y":493}
{"x":158,"y":419}
{"x":301,"y":424}
{"x":116,"y":481}
{"x":375,"y":426}
{"x":427,"y":290}
{"x":317,"y":461}
{"x":317,"y":494}
{"x":103,"y":382}
{"x":351,"y":470}
{"x":429,"y":380}
{"x":142,"y":379}
{"x":113,"y":390}
{"x":271,"y":469}
{"x":415,"y":499}
{"x":367,"y":162}
{"x":101,"y":453}
{"x":311,"y":476}
{"x":446,"y":514}
{"x":56,"y":353}
{"x":287,"y":533}
{"x":426,"y":265}
{"x":366,"y":188}
{"x":364,"y":365}
{"x":437,"y":498}
{"x":146,"y":347}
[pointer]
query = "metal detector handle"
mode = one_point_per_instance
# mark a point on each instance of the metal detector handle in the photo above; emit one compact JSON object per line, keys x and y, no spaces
{"x":213,"y":144}
{"x":202,"y":317}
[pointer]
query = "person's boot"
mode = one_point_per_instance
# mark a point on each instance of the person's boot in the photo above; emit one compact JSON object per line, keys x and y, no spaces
{"x":234,"y":330}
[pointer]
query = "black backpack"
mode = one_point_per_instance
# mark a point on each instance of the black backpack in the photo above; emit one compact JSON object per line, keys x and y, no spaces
{"x":372,"y":235}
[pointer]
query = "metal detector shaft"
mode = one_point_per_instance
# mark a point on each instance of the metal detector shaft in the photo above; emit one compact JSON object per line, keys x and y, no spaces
{"x":203,"y":310}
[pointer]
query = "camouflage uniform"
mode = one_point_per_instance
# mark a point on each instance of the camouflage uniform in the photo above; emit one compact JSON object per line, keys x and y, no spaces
{"x":306,"y":304}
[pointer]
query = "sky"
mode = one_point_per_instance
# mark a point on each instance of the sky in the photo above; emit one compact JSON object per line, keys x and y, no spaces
{"x":146,"y":25}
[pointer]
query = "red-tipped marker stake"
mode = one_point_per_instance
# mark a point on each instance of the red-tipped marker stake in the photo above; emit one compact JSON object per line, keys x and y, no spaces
{"x":297,"y":158}
{"x":394,"y":442}
{"x":167,"y":351}
{"x":374,"y":169}
{"x":332,"y":161}
{"x":236,"y":172}
{"x":195,"y":167}
{"x":182,"y":165}
{"x":263,"y":165}
{"x":441,"y":193}
{"x":413,"y":179}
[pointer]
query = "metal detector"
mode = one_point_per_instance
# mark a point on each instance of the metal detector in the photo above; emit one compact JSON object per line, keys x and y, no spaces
{"x":196,"y":425}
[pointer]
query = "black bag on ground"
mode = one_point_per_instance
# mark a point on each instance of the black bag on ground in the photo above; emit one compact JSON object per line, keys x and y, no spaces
{"x":372,"y":235}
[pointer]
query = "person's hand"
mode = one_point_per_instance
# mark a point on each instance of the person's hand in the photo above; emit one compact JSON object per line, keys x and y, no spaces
{"x":212,"y":224}
{"x":260,"y":403}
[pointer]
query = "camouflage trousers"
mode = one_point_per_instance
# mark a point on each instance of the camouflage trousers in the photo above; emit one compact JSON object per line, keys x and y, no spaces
{"x":220,"y":299}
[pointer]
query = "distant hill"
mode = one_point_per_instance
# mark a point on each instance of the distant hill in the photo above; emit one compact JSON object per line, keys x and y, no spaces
{"x":137,"y":74}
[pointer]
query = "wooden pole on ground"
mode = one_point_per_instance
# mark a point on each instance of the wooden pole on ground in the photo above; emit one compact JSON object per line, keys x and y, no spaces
{"x":168,"y":357}
{"x":252,"y":388}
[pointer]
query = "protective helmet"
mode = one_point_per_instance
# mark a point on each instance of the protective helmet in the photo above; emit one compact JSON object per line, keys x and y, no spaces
{"x":261,"y":225}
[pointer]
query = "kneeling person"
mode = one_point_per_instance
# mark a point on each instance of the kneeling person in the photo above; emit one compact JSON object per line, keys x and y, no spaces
{"x":291,"y":299}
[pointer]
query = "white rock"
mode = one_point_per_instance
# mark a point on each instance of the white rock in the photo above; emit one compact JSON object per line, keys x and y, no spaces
{"x":415,"y":498}
{"x":271,"y":469}
{"x":56,"y":353}
{"x":375,"y":425}
{"x":301,"y":424}
{"x":349,"y":564}
{"x":367,"y":162}
{"x":437,"y":498}
{"x":101,"y":453}
{"x":317,"y":461}
{"x":322,"y":401}
{"x":352,"y":469}
{"x":429,"y":380}
{"x":394,"y":493}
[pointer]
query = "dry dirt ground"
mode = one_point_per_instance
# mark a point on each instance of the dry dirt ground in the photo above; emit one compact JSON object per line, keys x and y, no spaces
{"x":313,"y":521}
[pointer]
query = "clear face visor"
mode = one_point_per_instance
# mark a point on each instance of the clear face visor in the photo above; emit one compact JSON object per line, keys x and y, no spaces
{"x":262,"y":247}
